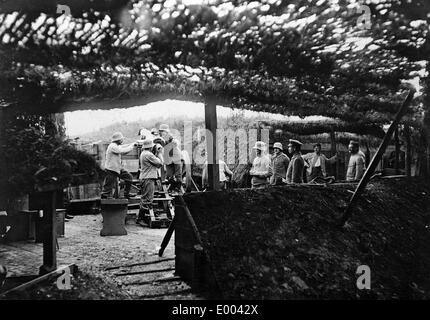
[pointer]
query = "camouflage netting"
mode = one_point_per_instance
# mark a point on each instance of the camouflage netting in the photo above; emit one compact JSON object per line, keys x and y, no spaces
{"x":289,"y":57}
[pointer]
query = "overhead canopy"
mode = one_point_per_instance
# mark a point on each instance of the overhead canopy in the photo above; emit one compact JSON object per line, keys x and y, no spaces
{"x":291,"y":58}
{"x":325,"y":126}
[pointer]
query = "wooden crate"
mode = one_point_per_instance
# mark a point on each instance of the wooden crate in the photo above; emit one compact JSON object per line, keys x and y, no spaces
{"x":19,"y":221}
{"x":84,"y":192}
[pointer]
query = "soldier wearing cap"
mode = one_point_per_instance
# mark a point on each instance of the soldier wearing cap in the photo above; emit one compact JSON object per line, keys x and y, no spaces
{"x":280,"y":162}
{"x":172,"y":157}
{"x":114,"y":168}
{"x":357,"y":162}
{"x":149,"y":165}
{"x":297,"y":164}
{"x":261,"y":169}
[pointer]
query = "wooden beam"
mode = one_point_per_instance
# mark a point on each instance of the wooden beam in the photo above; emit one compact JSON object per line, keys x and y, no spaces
{"x":397,"y":151}
{"x":53,"y":274}
{"x":408,"y":158}
{"x":3,"y":164}
{"x":334,"y":151}
{"x":212,"y":143}
{"x":167,"y":236}
{"x":49,"y":233}
{"x":377,"y":157}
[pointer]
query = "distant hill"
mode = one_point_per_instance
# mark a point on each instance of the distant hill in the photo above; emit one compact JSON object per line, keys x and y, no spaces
{"x":130,"y":129}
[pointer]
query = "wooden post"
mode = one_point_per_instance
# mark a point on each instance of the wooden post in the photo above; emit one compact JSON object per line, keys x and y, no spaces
{"x":212,"y":143}
{"x":397,"y":145}
{"x":334,"y":151}
{"x":377,"y":157}
{"x":3,"y":164}
{"x":408,"y":159}
{"x":49,"y":233}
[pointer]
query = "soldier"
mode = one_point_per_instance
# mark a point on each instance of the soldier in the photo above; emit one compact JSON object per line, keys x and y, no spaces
{"x":297,"y":164}
{"x":317,"y":163}
{"x":280,"y":162}
{"x":261,"y":169}
{"x":357,"y":162}
{"x":224,"y":172}
{"x":114,"y":168}
{"x":172,"y":157}
{"x":150,"y":161}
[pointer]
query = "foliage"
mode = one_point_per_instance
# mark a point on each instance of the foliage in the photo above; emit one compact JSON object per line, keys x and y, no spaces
{"x":37,"y":156}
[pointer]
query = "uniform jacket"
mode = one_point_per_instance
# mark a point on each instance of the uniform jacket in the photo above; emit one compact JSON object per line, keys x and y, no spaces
{"x":295,"y":169}
{"x":149,"y":165}
{"x":113,"y":156}
{"x":280,"y":164}
{"x":356,"y":167}
{"x":262,"y":168}
{"x":172,"y":152}
{"x":313,"y":158}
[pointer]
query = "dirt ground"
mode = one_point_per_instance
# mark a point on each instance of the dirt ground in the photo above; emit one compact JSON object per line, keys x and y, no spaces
{"x":283,"y":243}
{"x":279,"y":243}
{"x":93,"y":254}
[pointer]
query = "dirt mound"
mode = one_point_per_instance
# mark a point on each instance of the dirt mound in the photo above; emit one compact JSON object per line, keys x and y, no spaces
{"x":282,"y":243}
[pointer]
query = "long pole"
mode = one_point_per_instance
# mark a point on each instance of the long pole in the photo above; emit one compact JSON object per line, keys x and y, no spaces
{"x":212,"y":143}
{"x":408,"y":158}
{"x":373,"y":164}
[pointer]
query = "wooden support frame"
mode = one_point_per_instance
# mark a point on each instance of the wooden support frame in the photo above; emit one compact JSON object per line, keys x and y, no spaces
{"x":334,"y":151}
{"x":408,"y":157}
{"x":397,"y":150}
{"x":369,"y":172}
{"x":50,"y":275}
{"x":212,"y":143}
{"x":49,"y":233}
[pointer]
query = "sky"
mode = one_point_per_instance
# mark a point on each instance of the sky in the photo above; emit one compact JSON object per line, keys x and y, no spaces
{"x":85,"y":121}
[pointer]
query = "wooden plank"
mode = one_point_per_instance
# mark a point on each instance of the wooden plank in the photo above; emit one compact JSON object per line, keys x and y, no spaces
{"x":172,"y":293}
{"x":49,"y":233}
{"x":84,"y":200}
{"x":408,"y":157}
{"x":139,"y":264}
{"x":376,"y":158}
{"x":47,"y":276}
{"x":397,"y":149}
{"x":334,"y":152}
{"x":162,"y":280}
{"x":167,"y":236}
{"x":143,"y":272}
{"x":113,"y":201}
{"x":212,"y":143}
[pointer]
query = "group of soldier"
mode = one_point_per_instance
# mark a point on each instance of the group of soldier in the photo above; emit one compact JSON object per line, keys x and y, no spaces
{"x":280,"y":169}
{"x":161,"y":158}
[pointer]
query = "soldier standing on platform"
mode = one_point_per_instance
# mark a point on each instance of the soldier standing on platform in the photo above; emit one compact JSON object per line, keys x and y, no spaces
{"x":113,"y":167}
{"x":149,"y":165}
